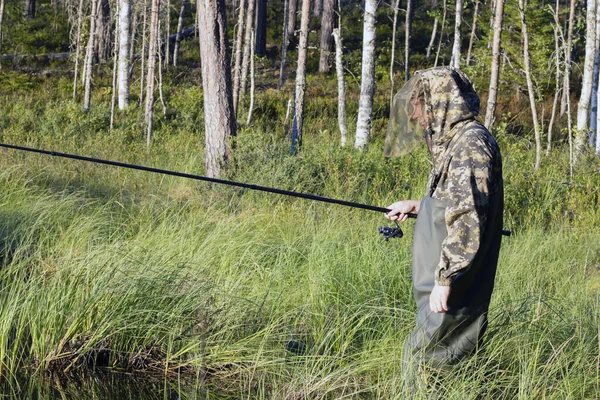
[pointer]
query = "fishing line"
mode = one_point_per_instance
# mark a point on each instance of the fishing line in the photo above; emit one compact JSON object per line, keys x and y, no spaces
{"x":387,"y":232}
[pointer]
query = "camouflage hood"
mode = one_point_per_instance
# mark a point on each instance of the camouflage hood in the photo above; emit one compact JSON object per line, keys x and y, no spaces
{"x":449,"y":100}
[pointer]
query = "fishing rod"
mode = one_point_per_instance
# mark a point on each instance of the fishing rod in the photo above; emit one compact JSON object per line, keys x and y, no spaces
{"x":385,"y":231}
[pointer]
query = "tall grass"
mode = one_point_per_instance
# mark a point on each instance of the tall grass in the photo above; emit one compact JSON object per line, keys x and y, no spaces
{"x":269,"y":297}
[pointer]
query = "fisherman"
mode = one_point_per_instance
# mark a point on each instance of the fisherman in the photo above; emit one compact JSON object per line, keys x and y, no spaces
{"x":459,"y":224}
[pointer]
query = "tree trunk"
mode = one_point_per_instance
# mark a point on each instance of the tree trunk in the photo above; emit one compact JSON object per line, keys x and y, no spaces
{"x":77,"y":47}
{"x":473,"y":30}
{"x":179,"y":28}
{"x":142,"y":68}
{"x":89,"y":55}
{"x":432,"y":40}
{"x":396,"y":3}
{"x":437,"y":54}
{"x":583,"y":108}
{"x":341,"y":87}
{"x":1,"y":18}
{"x":568,"y":57}
{"x":238,"y":54}
{"x":219,"y":118}
{"x":103,"y":31}
{"x":115,"y":66}
{"x":251,"y":106}
{"x":557,"y":51}
{"x":292,"y":13}
{"x":301,"y":75}
{"x":567,"y":86}
{"x":327,"y":25}
{"x":495,"y":69}
{"x":284,"y":44}
{"x":407,"y":33}
{"x":455,"y":60}
{"x":160,"y":66}
{"x":124,"y":60}
{"x":30,"y":9}
{"x":367,"y":88}
{"x":246,"y":56}
{"x":536,"y":127}
{"x":167,"y":33}
{"x":260,"y":48}
{"x":596,"y":83}
{"x":152,"y":48}
{"x":318,"y":8}
{"x":134,"y":26}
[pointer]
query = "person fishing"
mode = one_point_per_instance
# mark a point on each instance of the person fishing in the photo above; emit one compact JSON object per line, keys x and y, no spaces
{"x":459,"y":220}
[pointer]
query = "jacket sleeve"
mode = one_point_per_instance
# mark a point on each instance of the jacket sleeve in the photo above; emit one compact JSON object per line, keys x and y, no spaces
{"x":467,"y":192}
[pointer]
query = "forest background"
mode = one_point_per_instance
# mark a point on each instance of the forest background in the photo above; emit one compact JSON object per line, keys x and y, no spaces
{"x":237,"y":293}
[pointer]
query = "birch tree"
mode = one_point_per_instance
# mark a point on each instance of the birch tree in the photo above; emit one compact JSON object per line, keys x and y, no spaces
{"x":341,"y":87}
{"x":568,"y":58}
{"x":473,"y":30}
{"x":557,"y":75}
{"x":89,"y":55}
{"x":249,"y":27}
{"x":439,"y":47}
{"x":1,"y":18}
{"x":77,"y":46}
{"x":284,"y":44}
{"x":327,"y":25}
{"x":455,"y":60}
{"x":433,"y":30}
{"x":178,"y":35}
{"x":152,"y":48}
{"x":583,"y":109}
{"x":495,"y":67}
{"x":530,"y":90}
{"x":124,"y":60}
{"x":219,"y":117}
{"x":238,"y":54}
{"x":407,"y":33}
{"x":301,"y":74}
{"x":596,"y":83}
{"x":395,"y":6}
{"x":367,"y":88}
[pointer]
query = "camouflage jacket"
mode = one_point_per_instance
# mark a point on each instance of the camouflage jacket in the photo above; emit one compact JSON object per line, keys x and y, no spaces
{"x":466,"y":167}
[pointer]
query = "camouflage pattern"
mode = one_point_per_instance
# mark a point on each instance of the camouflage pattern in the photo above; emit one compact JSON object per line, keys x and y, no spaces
{"x":467,"y":167}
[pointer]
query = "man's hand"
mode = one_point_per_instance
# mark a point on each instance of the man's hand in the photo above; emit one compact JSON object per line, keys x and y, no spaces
{"x":400,"y":209}
{"x":438,"y":300}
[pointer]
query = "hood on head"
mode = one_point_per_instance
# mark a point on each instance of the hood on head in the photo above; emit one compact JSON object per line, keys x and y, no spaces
{"x":449,"y":99}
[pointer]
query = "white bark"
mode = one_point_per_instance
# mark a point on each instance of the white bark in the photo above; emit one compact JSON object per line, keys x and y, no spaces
{"x":301,"y":69}
{"x":77,"y":46}
{"x":219,"y":117}
{"x":167,"y":33}
{"x":455,"y":60}
{"x":341,"y":87}
{"x":1,"y":18}
{"x":568,"y":58}
{"x":142,"y":68}
{"x":536,"y":125}
{"x":437,"y":54}
{"x":595,"y":85}
{"x":152,"y":45}
{"x":114,"y":77}
{"x":432,"y":40}
{"x":284,"y":45}
{"x":89,"y":58}
{"x":160,"y":69}
{"x":393,"y":54}
{"x":124,"y":48}
{"x":246,"y":56}
{"x":178,"y":37}
{"x":407,"y":33}
{"x":583,"y":109}
{"x":495,"y":68}
{"x":251,"y":107}
{"x":473,"y":29}
{"x":367,"y":89}
{"x":557,"y":51}
{"x":238,"y":54}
